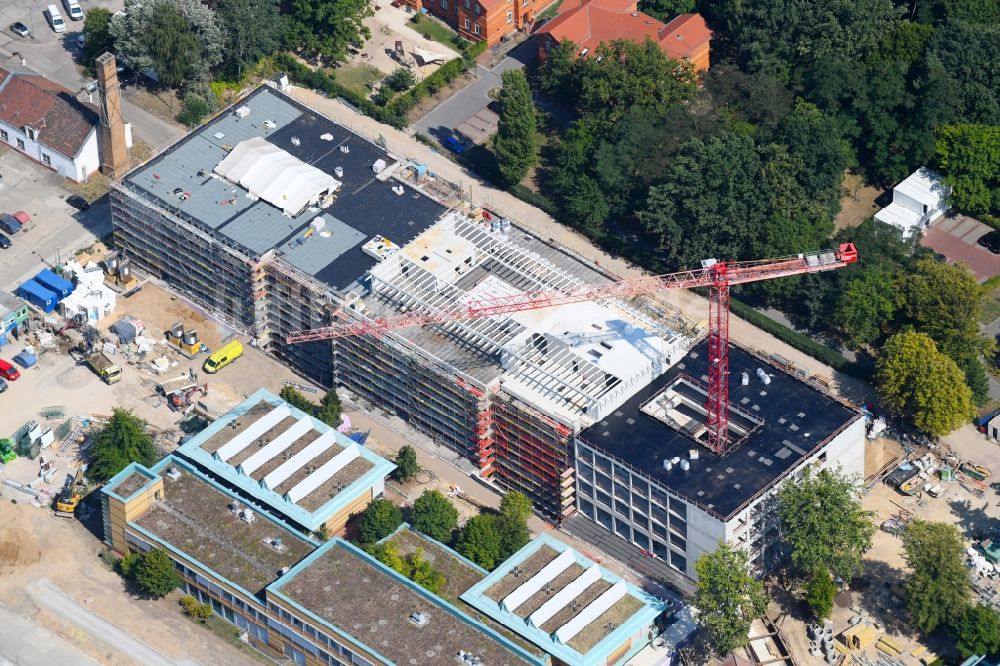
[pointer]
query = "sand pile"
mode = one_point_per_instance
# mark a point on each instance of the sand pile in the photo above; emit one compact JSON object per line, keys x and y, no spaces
{"x":18,"y":548}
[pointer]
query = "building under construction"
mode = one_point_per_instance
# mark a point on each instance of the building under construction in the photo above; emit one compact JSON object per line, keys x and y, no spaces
{"x":278,"y":220}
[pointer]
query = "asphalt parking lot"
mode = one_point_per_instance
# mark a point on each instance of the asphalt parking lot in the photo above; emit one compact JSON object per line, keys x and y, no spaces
{"x":955,"y":237}
{"x":56,"y":230}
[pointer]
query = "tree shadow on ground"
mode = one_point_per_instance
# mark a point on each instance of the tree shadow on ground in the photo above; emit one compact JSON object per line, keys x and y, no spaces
{"x":873,"y":591}
{"x":972,"y":520}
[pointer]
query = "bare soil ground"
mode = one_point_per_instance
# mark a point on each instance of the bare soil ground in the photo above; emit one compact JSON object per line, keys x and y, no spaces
{"x":857,"y":201}
{"x":164,"y":104}
{"x":36,"y":545}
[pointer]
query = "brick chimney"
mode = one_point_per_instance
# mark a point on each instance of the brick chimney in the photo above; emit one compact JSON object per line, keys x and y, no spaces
{"x":114,"y":154}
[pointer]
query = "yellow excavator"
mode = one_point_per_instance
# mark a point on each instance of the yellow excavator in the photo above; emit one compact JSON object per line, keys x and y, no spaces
{"x":70,"y":495}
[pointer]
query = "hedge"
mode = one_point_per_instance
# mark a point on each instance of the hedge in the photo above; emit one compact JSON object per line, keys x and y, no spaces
{"x":394,"y":113}
{"x":803,"y":343}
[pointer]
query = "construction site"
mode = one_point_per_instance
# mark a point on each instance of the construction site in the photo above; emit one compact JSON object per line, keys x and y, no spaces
{"x":361,"y":268}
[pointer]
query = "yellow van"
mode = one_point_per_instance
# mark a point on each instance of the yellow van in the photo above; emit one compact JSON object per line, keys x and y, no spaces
{"x":223,"y":356}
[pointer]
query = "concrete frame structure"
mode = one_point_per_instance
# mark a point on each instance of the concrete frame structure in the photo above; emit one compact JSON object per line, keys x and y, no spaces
{"x":917,"y":202}
{"x":660,"y":491}
{"x":223,"y":561}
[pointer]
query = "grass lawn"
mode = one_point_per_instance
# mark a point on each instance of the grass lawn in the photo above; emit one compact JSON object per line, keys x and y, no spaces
{"x":357,"y":77}
{"x":991,"y":307}
{"x":438,"y":31}
{"x":550,"y":12}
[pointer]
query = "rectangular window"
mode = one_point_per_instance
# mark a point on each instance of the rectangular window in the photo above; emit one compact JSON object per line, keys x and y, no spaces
{"x":623,"y":530}
{"x":444,"y":4}
{"x":640,"y":502}
{"x":479,"y":9}
{"x":524,"y":3}
{"x":468,"y":23}
{"x":678,"y":542}
{"x":679,"y":526}
{"x":678,"y":508}
{"x":587,"y":508}
{"x":603,"y":463}
{"x":660,"y":550}
{"x":4,"y":135}
{"x":622,"y":508}
{"x":621,"y":491}
{"x":467,"y":5}
{"x":604,"y":519}
{"x":640,"y":539}
{"x":20,"y":144}
{"x":678,"y":562}
{"x":604,"y":498}
{"x":660,"y":530}
{"x":586,"y":472}
{"x":477,"y":29}
{"x":586,"y":489}
{"x":622,"y":474}
{"x":659,"y":497}
{"x":659,"y":514}
{"x":604,"y":482}
{"x":510,"y":17}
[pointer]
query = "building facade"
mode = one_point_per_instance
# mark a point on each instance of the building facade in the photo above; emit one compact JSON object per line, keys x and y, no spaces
{"x":491,"y":21}
{"x":45,"y":122}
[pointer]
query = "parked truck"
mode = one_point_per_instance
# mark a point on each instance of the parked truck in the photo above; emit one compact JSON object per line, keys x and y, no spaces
{"x":104,"y":367}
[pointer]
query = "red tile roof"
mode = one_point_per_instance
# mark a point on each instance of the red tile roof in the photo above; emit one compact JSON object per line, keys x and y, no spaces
{"x":62,"y":122}
{"x":587,"y":23}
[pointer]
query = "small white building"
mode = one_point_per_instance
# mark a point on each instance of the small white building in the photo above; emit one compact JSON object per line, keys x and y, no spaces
{"x":916,"y":202}
{"x":46,"y":122}
{"x":92,"y":297}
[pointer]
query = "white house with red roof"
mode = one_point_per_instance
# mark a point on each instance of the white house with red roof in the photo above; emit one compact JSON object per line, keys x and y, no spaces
{"x":46,"y":122}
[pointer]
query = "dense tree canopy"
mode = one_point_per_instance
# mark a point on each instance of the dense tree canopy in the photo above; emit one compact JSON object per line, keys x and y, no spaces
{"x":824,"y":523}
{"x":406,"y":464}
{"x":969,"y":156}
{"x":728,"y":598}
{"x":97,"y":35}
{"x":916,"y":381}
{"x":480,"y":541}
{"x":123,"y":440}
{"x":434,"y":515}
{"x":253,"y":30}
{"x":514,"y":144}
{"x":155,"y":575}
{"x":938,"y":587}
{"x":976,"y":631}
{"x":380,"y":519}
{"x":327,"y":27}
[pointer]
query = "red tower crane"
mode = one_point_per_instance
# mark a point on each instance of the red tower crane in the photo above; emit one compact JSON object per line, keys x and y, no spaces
{"x":718,"y":276}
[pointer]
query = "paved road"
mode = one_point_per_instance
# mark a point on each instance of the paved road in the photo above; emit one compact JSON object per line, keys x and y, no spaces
{"x":54,"y":600}
{"x":52,"y":54}
{"x":24,"y":643}
{"x":473,"y":98}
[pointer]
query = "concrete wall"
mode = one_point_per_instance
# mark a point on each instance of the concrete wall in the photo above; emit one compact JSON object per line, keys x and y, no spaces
{"x":86,"y":163}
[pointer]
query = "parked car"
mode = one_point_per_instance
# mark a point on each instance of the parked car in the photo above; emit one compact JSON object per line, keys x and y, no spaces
{"x":78,"y":202}
{"x":20,"y":29}
{"x":9,"y":224}
{"x":3,"y":384}
{"x":990,"y":241}
{"x":4,"y":242}
{"x":8,"y":371}
{"x":455,"y":144}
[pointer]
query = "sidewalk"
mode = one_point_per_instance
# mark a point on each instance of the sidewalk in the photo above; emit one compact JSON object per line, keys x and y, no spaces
{"x":694,"y":307}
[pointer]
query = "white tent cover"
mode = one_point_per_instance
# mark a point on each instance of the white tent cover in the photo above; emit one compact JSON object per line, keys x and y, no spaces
{"x":427,"y":57}
{"x":272,"y":174}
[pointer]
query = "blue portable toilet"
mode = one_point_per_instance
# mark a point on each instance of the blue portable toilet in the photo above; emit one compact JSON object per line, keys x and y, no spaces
{"x":38,"y":296}
{"x":48,"y":279}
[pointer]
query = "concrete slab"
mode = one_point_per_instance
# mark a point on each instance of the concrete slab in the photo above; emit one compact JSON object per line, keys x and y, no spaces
{"x":964,"y":227}
{"x":959,"y":245}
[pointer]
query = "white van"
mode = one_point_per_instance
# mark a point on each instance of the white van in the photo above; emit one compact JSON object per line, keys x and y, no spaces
{"x":73,"y":9}
{"x":55,"y":19}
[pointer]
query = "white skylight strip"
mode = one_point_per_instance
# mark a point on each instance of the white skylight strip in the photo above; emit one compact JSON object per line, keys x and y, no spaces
{"x":324,"y":473}
{"x":545,"y":612}
{"x":300,"y":459}
{"x":276,"y":446}
{"x":592,"y":612}
{"x":255,"y":430}
{"x":536,"y":582}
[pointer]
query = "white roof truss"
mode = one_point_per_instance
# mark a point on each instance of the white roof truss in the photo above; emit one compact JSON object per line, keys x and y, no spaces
{"x":545,"y":612}
{"x":594,"y":610}
{"x":561,"y":562}
{"x":255,"y":430}
{"x":323,"y":474}
{"x":276,"y":446}
{"x":300,"y":459}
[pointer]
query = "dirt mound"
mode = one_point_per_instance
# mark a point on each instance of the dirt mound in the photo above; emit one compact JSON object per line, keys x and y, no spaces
{"x":17,"y":549}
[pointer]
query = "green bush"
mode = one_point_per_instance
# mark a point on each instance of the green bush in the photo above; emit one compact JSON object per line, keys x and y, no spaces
{"x":195,"y":109}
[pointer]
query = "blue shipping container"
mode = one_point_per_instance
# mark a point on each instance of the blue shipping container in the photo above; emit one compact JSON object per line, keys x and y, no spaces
{"x":53,"y":282}
{"x":38,"y":296}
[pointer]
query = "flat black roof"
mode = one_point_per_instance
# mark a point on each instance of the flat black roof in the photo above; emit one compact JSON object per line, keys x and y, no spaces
{"x":797,"y":419}
{"x":364,"y":206}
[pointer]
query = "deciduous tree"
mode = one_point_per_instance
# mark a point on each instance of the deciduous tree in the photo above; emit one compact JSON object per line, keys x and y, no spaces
{"x":916,"y":381}
{"x":824,"y":523}
{"x":820,"y":593}
{"x":155,"y":574}
{"x":866,"y":305}
{"x":969,"y":157}
{"x":123,"y":440}
{"x":329,"y":411}
{"x":976,"y":631}
{"x":938,"y":587}
{"x":728,"y":598}
{"x":406,"y":464}
{"x":480,"y":541}
{"x":253,"y":30}
{"x":97,"y":35}
{"x":434,"y":515}
{"x":514,"y":144}
{"x":327,"y":27}
{"x":380,"y":519}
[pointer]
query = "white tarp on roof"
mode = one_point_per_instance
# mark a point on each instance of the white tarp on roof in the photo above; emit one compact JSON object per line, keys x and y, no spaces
{"x":427,"y":57}
{"x":275,"y":176}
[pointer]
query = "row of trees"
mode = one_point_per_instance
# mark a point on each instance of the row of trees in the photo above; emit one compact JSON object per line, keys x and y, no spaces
{"x":487,"y":539}
{"x":329,"y":409}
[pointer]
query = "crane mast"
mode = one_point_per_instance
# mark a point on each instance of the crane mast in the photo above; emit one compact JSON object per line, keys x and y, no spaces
{"x":717,"y":276}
